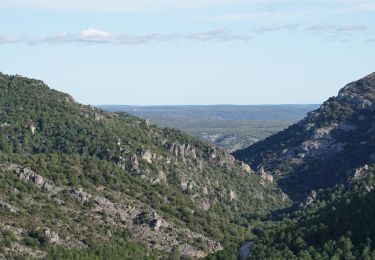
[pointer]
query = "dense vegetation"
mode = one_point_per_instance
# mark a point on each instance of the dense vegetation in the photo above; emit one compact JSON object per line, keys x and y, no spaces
{"x":338,"y":225}
{"x":204,"y":196}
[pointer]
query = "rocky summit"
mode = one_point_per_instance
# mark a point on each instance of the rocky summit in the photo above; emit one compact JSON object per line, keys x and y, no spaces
{"x":323,"y":149}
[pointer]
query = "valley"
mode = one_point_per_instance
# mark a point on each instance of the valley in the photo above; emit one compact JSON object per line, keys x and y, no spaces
{"x":79,"y":182}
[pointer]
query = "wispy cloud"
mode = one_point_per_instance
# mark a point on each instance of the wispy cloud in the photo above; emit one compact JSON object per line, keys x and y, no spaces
{"x":337,"y":28}
{"x":242,"y":16}
{"x":96,"y":36}
{"x":365,"y":7}
{"x":341,"y":33}
{"x":275,"y":28}
{"x":6,"y":38}
{"x":218,"y":35}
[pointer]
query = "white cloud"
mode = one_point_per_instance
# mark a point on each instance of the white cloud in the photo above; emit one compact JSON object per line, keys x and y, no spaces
{"x":92,"y":33}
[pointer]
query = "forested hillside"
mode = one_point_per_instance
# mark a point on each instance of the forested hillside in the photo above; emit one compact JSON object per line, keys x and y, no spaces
{"x":333,"y":224}
{"x":80,"y":182}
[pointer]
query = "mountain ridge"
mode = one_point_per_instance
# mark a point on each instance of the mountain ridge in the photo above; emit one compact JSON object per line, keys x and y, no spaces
{"x":330,"y":143}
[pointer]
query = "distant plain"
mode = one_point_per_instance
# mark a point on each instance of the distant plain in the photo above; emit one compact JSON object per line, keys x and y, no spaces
{"x":230,"y":127}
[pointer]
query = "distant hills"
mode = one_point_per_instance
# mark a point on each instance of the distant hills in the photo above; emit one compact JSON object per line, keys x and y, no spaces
{"x":219,"y":112}
{"x":230,"y":127}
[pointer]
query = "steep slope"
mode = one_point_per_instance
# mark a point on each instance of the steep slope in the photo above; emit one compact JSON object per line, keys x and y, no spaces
{"x":80,"y":182}
{"x":323,"y":149}
{"x":333,"y":224}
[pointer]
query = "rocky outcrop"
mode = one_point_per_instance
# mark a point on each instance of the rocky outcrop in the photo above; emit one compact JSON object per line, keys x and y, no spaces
{"x":156,"y":222}
{"x":265,"y":176}
{"x":80,"y":195}
{"x":361,"y":172}
{"x":182,"y":150}
{"x":311,"y":198}
{"x":134,"y":163}
{"x":245,"y":167}
{"x":98,"y":117}
{"x":186,"y":184}
{"x":121,"y":161}
{"x":27,"y":175}
{"x":51,"y":236}
{"x":32,"y":129}
{"x":147,"y":156}
{"x":232,"y":195}
{"x":320,"y":143}
{"x":147,"y":123}
{"x":4,"y":125}
{"x":212,"y":153}
{"x":7,"y":206}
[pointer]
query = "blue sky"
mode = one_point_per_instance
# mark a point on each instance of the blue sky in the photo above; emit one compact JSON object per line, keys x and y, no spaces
{"x":153,"y":52}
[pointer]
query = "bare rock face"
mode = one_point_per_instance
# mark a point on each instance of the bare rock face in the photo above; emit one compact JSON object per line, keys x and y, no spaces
{"x":134,"y":163}
{"x":212,"y":153}
{"x":80,"y":195}
{"x":184,"y":184}
{"x":245,"y":167}
{"x":368,"y":188}
{"x":161,"y":177}
{"x":147,"y":123}
{"x":182,"y":150}
{"x":147,"y":156}
{"x":98,"y":117}
{"x":320,"y":142}
{"x":309,"y":199}
{"x":265,"y":176}
{"x":232,"y":195}
{"x":4,"y":125}
{"x":51,"y":235}
{"x":206,"y":205}
{"x":156,"y":222}
{"x":360,"y":172}
{"x":9,"y":207}
{"x":32,"y":129}
{"x":27,"y":175}
{"x":120,"y":161}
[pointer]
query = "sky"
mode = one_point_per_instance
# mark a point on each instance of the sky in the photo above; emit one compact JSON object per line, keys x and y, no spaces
{"x":189,"y":52}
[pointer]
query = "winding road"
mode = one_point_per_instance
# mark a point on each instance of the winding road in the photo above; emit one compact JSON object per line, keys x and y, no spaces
{"x":245,"y":250}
